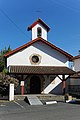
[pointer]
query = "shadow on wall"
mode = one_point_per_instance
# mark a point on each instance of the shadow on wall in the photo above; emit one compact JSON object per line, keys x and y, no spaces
{"x":57,"y":90}
{"x":49,"y":51}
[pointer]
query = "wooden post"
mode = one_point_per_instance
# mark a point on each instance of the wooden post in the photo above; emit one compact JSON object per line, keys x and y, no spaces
{"x":22,"y":87}
{"x":64,"y":88}
{"x":22,"y":90}
{"x":64,"y":85}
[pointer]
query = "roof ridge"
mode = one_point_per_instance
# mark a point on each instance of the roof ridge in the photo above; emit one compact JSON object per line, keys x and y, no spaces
{"x":39,"y":21}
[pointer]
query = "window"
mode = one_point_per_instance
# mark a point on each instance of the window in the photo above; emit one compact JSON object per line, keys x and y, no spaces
{"x":35,"y":59}
{"x":39,"y":32}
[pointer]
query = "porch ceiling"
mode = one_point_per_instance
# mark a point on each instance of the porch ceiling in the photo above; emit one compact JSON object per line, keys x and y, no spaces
{"x":46,"y":70}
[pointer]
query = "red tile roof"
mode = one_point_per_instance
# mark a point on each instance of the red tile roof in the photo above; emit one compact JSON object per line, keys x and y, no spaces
{"x":46,"y":70}
{"x":36,"y":22}
{"x":76,"y":57}
{"x":35,"y":40}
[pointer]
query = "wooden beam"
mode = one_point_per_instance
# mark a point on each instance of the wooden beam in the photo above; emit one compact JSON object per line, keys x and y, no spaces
{"x":63,"y":84}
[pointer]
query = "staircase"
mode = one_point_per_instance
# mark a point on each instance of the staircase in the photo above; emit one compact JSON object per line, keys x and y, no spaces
{"x":52,"y":85}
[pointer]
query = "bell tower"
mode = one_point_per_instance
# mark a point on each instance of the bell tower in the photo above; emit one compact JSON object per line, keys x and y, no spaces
{"x":39,"y":29}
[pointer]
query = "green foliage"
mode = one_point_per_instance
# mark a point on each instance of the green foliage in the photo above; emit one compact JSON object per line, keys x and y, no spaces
{"x":5,"y":71}
{"x":5,"y":78}
{"x":2,"y":60}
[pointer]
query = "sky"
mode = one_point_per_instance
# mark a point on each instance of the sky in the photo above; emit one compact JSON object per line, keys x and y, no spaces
{"x":62,"y":16}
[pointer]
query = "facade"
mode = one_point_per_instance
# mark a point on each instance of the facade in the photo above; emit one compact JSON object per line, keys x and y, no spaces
{"x":74,"y":86}
{"x":76,"y":63}
{"x":40,"y":66}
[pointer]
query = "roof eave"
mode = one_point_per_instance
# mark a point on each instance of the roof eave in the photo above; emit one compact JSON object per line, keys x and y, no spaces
{"x":44,"y":41}
{"x":76,"y":57}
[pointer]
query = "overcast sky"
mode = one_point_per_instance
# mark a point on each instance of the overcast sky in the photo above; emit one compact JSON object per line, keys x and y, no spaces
{"x":62,"y":16}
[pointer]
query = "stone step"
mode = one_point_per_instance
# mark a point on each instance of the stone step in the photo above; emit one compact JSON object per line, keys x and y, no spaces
{"x":41,"y":97}
{"x":52,"y":97}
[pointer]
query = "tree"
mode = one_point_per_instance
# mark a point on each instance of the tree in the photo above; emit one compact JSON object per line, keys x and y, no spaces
{"x":5,"y":79}
{"x":2,"y":60}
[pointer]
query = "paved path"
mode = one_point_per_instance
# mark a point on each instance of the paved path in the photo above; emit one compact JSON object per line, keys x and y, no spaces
{"x":20,"y":110}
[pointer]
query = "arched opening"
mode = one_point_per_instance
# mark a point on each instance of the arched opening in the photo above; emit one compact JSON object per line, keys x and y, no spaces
{"x":39,"y":32}
{"x":35,"y":85}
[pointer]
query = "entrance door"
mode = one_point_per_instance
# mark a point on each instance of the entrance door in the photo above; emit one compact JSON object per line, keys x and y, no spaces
{"x":35,"y":85}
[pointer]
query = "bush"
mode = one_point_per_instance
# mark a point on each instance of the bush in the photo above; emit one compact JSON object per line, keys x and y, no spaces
{"x":5,"y":80}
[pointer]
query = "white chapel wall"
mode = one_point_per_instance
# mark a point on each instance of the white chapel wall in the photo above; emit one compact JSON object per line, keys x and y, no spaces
{"x":49,"y":57}
{"x":76,"y":65}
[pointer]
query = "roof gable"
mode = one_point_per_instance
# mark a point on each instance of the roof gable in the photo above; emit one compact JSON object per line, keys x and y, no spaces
{"x":35,"y":40}
{"x":38,"y":21}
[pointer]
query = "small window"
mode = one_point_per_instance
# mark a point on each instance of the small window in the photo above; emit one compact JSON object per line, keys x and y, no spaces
{"x":39,"y":32}
{"x":35,"y":59}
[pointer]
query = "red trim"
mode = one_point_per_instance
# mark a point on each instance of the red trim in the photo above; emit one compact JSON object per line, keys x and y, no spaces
{"x":36,"y":22}
{"x":35,"y":40}
{"x":20,"y":48}
{"x":22,"y":90}
{"x":76,"y":57}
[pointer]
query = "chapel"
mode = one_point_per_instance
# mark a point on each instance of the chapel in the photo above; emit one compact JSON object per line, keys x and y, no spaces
{"x":40,"y":66}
